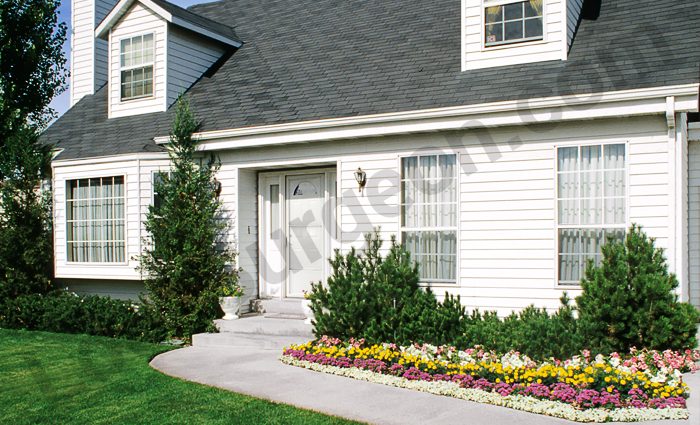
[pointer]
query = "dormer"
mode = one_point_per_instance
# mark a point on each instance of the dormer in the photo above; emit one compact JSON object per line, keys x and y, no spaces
{"x":511,"y":32}
{"x":156,"y":51}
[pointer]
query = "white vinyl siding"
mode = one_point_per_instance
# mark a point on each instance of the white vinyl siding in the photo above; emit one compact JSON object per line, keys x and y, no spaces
{"x":138,"y":21}
{"x":243,"y":191}
{"x":507,"y":244}
{"x":476,"y":55}
{"x":189,"y":56}
{"x":694,"y":222}
{"x":137,"y":196}
{"x":88,"y":54}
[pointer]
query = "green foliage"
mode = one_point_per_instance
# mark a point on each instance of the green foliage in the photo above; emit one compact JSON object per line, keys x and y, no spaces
{"x":32,"y":65}
{"x":63,"y":312}
{"x":630,"y":300}
{"x":378,"y":298}
{"x":26,"y":250}
{"x":186,"y":260}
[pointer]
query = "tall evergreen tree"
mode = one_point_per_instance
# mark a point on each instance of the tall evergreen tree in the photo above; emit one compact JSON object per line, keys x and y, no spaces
{"x":26,"y":249}
{"x":32,"y":72}
{"x":630,"y":300}
{"x":32,"y":65}
{"x":186,"y":260}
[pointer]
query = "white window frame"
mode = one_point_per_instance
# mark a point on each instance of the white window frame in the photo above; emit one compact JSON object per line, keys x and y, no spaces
{"x":513,"y":43}
{"x":92,"y":220}
{"x":557,"y":226}
{"x":401,"y":229}
{"x":143,"y":65}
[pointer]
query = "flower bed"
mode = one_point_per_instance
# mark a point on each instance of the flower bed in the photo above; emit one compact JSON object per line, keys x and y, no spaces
{"x":647,"y":385}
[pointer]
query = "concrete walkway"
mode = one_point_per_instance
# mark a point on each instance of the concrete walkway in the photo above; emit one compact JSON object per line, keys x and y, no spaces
{"x":257,"y":372}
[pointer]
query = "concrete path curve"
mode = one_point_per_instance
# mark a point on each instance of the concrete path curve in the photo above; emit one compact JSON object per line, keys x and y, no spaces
{"x":257,"y":372}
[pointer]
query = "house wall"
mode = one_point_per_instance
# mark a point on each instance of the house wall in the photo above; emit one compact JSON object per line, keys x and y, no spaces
{"x":507,"y":246}
{"x":137,"y":171}
{"x":552,"y":47}
{"x":694,"y":222}
{"x":189,"y":56}
{"x":138,"y":20}
{"x":120,"y":289}
{"x":88,"y":54}
{"x":246,"y":229}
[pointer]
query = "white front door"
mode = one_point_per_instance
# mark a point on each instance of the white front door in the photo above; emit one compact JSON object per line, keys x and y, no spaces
{"x":296,"y":230}
{"x":305,"y":235}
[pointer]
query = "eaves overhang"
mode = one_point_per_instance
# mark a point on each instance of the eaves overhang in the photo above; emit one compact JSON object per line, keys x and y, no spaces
{"x":648,"y":101}
{"x":227,"y":37}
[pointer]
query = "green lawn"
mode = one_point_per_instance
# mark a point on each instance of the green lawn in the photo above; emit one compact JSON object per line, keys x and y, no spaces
{"x":54,"y":378}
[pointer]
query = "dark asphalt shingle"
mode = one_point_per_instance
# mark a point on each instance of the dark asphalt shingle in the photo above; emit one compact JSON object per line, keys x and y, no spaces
{"x":317,"y":59}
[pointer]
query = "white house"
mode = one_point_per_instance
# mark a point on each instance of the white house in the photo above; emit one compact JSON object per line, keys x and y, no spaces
{"x":501,"y":140}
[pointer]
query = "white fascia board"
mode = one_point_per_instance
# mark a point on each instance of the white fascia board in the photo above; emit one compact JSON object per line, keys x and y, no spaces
{"x":102,"y":31}
{"x":561,"y":108}
{"x":192,"y":27}
{"x":108,"y":159}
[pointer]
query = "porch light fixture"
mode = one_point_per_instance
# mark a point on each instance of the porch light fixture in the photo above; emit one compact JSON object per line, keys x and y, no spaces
{"x":216,"y":186}
{"x":361,"y":178}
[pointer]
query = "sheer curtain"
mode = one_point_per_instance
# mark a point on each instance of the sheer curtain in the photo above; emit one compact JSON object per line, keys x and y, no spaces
{"x":429,"y":214}
{"x":591,"y":204}
{"x":95,"y":220}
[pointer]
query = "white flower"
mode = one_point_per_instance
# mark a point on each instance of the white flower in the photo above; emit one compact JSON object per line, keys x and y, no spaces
{"x":528,"y":404}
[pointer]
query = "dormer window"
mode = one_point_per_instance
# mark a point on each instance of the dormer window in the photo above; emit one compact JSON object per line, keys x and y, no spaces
{"x":513,"y":22}
{"x":136,"y":61}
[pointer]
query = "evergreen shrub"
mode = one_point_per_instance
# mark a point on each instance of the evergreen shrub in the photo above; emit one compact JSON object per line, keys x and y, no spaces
{"x":61,"y":311}
{"x":378,"y":298}
{"x":630,"y":300}
{"x":186,"y":260}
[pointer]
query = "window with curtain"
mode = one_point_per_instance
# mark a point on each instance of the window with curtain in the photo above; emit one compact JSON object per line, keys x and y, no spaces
{"x":513,"y":23}
{"x":95,"y":220}
{"x":429,"y":215}
{"x":136,"y":61}
{"x":591,"y":204}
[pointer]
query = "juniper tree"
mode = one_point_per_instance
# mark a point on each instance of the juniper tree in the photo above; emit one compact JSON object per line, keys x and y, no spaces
{"x":630,"y":300}
{"x":186,"y":260}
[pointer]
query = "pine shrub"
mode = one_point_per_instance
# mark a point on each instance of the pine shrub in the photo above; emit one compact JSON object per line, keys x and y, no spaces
{"x":630,"y":300}
{"x":378,"y":298}
{"x":186,"y":260}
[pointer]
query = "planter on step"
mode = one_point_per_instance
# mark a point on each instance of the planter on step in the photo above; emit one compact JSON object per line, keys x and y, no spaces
{"x":231,"y":307}
{"x":306,"y":308}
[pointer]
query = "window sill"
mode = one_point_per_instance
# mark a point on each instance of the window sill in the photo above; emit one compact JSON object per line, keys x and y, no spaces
{"x":513,"y":45}
{"x":129,"y":99}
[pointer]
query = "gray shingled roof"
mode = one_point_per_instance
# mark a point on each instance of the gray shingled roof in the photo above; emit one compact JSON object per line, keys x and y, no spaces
{"x":199,"y":20}
{"x":314,"y":59}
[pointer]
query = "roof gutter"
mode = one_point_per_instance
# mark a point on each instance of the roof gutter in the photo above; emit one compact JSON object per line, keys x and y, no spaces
{"x":649,"y":101}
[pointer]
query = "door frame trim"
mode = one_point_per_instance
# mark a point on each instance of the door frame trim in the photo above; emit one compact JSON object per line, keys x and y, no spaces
{"x":265,"y":179}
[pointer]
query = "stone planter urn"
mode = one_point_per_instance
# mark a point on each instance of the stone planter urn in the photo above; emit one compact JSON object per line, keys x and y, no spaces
{"x":231,"y":306}
{"x":306,"y":308}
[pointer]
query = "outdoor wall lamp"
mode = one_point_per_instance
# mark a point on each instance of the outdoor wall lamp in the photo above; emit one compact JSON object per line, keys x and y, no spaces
{"x":361,"y":178}
{"x":216,"y":185}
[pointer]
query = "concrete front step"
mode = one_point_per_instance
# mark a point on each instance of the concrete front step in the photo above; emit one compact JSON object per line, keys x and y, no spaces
{"x":232,"y":340}
{"x":282,"y":306}
{"x":261,"y":325}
